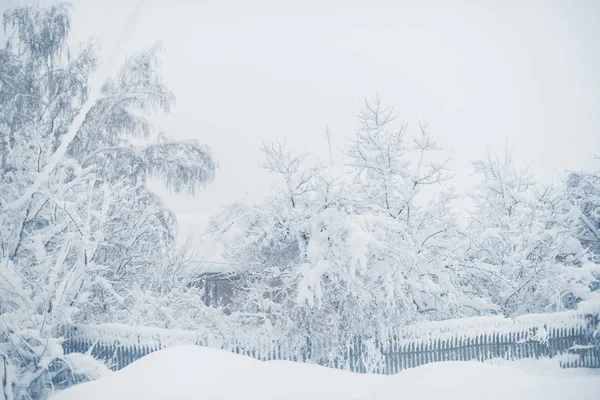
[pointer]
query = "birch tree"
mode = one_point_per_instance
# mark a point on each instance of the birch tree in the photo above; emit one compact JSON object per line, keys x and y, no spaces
{"x":89,"y":232}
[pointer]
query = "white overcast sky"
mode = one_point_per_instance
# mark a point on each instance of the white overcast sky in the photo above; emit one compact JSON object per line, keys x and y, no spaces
{"x":485,"y":73}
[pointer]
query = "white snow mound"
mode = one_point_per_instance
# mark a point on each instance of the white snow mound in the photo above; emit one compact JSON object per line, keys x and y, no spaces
{"x":194,"y":373}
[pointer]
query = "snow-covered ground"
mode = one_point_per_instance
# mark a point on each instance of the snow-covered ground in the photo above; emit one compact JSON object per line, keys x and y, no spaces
{"x":192,"y":372}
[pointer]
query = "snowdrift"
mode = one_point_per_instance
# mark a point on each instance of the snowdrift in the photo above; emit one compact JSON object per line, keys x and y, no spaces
{"x":193,"y":372}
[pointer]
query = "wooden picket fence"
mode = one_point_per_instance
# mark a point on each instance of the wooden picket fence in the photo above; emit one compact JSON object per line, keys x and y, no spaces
{"x":573,"y":338}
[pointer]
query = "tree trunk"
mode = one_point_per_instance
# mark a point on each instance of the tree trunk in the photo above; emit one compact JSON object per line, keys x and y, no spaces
{"x":5,"y":383}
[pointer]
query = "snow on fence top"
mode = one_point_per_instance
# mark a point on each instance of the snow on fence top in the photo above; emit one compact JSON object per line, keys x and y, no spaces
{"x":567,"y":333}
{"x":129,"y":336}
{"x":529,"y":327}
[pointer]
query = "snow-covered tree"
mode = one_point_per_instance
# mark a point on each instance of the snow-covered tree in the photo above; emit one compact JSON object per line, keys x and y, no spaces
{"x":339,"y":253}
{"x":523,"y":254}
{"x":402,"y":178}
{"x":584,"y":192}
{"x":81,"y":233}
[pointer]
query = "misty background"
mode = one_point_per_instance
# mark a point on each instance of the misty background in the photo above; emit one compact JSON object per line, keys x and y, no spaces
{"x":483,"y":75}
